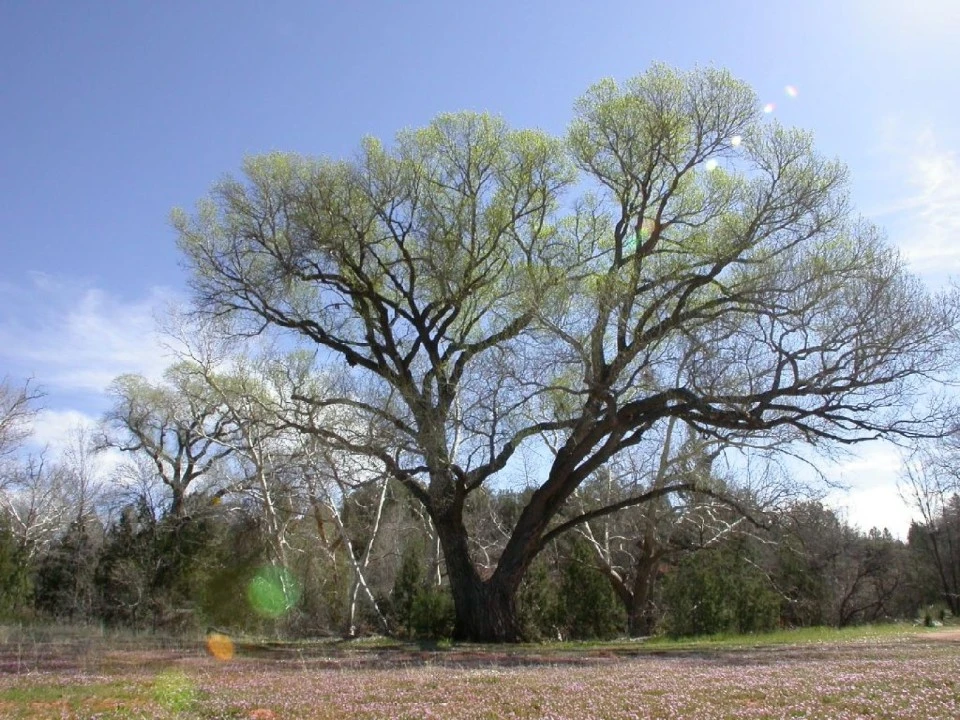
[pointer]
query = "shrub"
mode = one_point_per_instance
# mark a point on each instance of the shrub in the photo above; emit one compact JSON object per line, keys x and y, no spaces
{"x":588,"y":608}
{"x":432,"y":615}
{"x":715,"y":591}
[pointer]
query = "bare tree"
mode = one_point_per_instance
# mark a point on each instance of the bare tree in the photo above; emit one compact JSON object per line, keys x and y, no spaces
{"x":289,"y":476}
{"x":18,"y":407}
{"x":174,"y":424}
{"x":36,"y":505}
{"x":930,"y":484}
{"x":328,"y":479}
{"x":480,"y":316}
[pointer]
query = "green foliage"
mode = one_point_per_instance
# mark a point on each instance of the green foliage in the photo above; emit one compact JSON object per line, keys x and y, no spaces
{"x":407,"y":584}
{"x":124,"y":571}
{"x":175,"y":691}
{"x":222,"y":598}
{"x":156,"y":571}
{"x":587,"y":607}
{"x":15,"y":585}
{"x":417,"y":609}
{"x":717,"y":591}
{"x":323,"y":607}
{"x":537,"y":604}
{"x":65,"y":586}
{"x":432,"y":613}
{"x":807,"y":594}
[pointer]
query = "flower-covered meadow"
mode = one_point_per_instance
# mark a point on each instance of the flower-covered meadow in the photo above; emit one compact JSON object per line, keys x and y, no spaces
{"x":894,"y":677}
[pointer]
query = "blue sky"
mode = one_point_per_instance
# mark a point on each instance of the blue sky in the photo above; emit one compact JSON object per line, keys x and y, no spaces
{"x":113,"y":113}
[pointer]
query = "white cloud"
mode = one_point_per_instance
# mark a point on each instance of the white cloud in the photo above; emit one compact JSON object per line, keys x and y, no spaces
{"x":54,"y":428}
{"x":926,"y":208}
{"x":871,"y":498}
{"x":55,"y":431}
{"x":77,"y":338}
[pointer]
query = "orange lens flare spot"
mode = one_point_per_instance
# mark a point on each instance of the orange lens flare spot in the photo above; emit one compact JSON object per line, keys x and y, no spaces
{"x":220,"y":646}
{"x":262,"y":714}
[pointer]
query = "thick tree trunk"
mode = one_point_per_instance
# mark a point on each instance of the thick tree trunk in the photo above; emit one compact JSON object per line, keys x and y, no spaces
{"x":177,"y":501}
{"x":640,"y":623}
{"x":486,"y":610}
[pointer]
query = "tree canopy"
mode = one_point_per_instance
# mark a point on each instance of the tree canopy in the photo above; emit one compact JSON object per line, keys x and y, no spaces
{"x":677,"y":255}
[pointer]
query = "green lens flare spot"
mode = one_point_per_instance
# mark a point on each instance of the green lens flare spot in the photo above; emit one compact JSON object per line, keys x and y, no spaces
{"x":273,"y":591}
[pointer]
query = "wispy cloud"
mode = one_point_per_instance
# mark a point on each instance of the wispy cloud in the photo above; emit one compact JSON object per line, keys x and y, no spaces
{"x":925,"y":212}
{"x":76,"y":338}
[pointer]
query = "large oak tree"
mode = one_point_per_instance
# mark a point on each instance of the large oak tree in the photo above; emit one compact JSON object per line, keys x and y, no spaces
{"x":677,"y":255}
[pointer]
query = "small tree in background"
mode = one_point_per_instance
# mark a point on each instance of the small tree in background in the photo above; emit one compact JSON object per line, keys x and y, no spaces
{"x":408,"y":583}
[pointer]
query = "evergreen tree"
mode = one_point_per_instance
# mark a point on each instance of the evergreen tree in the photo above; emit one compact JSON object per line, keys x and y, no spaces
{"x":719,"y":590}
{"x":588,"y":606}
{"x":408,"y":584}
{"x":15,"y":583}
{"x":65,"y":584}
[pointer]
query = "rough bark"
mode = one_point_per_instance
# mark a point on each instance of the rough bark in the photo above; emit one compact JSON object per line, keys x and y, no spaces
{"x":486,"y":609}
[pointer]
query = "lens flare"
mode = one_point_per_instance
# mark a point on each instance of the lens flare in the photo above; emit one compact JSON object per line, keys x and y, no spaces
{"x":273,"y":591}
{"x":791,"y":91}
{"x":262,"y":714}
{"x":736,"y":140}
{"x":220,"y":646}
{"x":769,"y":108}
{"x":711,"y":164}
{"x":646,"y":229}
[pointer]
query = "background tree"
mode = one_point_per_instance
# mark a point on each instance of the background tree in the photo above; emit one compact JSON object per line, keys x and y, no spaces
{"x":65,"y":586}
{"x":18,"y":407}
{"x":177,"y":424}
{"x":480,"y":317}
{"x":20,"y":516}
{"x":930,"y":483}
{"x":720,"y":589}
{"x":589,"y":608}
{"x":633,"y":545}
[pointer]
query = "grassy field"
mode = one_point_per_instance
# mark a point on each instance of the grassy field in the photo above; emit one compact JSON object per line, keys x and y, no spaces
{"x":884,"y":672}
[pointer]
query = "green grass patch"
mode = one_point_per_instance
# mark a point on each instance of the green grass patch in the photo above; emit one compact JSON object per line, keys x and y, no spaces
{"x":174,"y":691}
{"x":110,"y":701}
{"x":730,"y":641}
{"x":798,"y":636}
{"x":67,"y":692}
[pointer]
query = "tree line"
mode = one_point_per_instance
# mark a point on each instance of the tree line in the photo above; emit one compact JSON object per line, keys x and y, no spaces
{"x":573,"y":353}
{"x":141,"y":549}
